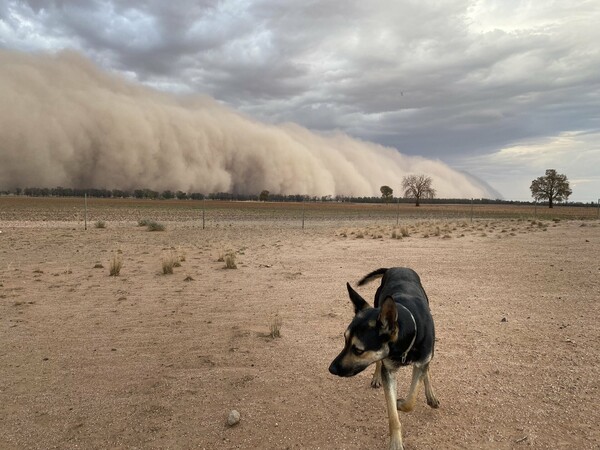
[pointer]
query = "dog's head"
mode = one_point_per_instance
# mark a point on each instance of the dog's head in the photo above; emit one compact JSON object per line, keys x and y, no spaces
{"x":368,"y":336}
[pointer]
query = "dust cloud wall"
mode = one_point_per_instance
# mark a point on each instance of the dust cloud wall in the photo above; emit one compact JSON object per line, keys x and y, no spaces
{"x":64,"y":122}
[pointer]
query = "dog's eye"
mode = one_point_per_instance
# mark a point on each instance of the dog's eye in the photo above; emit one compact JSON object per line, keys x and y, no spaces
{"x":358,"y":351}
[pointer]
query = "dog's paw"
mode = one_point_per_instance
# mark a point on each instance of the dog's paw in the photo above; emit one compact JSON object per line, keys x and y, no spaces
{"x":404,"y":406}
{"x":434,"y":403}
{"x":376,"y":383}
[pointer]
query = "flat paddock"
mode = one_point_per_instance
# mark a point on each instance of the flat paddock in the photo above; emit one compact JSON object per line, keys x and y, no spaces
{"x":146,"y":360}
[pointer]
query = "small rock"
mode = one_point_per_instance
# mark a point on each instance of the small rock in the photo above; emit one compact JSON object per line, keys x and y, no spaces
{"x":504,"y":319}
{"x":98,"y":266}
{"x":233,"y":418}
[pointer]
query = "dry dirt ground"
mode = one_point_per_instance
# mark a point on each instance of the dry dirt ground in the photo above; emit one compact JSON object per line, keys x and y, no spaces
{"x":146,"y":360}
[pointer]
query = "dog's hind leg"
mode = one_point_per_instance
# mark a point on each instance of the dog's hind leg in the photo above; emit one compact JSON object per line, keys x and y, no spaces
{"x":376,"y":380}
{"x":391,"y":394}
{"x":431,"y":398}
{"x":408,"y":403}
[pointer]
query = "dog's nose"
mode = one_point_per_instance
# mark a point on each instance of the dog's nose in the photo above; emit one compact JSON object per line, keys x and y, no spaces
{"x":333,"y":368}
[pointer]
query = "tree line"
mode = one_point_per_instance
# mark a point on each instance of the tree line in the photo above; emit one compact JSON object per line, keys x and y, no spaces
{"x":416,"y":188}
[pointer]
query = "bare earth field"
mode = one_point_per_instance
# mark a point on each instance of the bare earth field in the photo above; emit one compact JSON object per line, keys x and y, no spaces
{"x":146,"y":360}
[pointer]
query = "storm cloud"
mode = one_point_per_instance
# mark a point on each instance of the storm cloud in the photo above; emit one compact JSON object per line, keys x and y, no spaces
{"x":70,"y":124}
{"x":468,"y":82}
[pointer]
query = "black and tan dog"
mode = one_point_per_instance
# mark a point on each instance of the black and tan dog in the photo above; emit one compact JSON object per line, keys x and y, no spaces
{"x":397,"y":332}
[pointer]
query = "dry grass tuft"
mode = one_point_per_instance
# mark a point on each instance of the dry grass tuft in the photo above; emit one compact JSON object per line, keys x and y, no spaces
{"x":100,"y":224}
{"x":155,"y":226}
{"x":275,"y":326}
{"x":396,"y":234}
{"x":230,"y":261}
{"x":169,"y":261}
{"x":115,"y":266}
{"x":181,"y":253}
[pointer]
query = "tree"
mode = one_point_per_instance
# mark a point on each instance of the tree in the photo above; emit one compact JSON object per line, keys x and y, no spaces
{"x":552,"y":186}
{"x":418,"y":187}
{"x":386,"y":193}
{"x":264,"y":196}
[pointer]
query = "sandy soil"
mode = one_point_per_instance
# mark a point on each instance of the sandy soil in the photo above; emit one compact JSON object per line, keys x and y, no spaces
{"x":146,"y":360}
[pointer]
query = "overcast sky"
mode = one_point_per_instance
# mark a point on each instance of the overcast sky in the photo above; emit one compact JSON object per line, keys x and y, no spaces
{"x":502,"y":89}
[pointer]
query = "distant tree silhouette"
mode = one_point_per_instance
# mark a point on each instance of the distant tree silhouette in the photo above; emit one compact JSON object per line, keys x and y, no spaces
{"x":418,"y":187}
{"x":264,"y":196}
{"x":552,"y":186}
{"x":387,"y":193}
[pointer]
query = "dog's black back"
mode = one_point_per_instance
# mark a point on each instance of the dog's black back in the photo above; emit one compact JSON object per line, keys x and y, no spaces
{"x":404,"y":286}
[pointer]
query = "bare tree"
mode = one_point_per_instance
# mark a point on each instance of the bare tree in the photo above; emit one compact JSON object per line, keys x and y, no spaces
{"x":552,"y":186}
{"x":418,"y":187}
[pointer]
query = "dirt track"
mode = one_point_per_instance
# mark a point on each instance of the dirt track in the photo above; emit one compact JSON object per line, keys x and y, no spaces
{"x":146,"y":360}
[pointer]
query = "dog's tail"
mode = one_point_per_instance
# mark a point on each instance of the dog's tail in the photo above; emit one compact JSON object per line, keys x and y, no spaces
{"x":375,"y":274}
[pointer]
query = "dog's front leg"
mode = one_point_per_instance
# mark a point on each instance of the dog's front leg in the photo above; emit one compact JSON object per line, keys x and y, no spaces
{"x":391,"y":394}
{"x":408,"y":403}
{"x":376,"y":380}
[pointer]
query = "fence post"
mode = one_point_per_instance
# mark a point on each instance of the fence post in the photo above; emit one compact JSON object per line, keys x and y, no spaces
{"x":398,"y":213}
{"x":471,"y":210}
{"x":85,"y":213}
{"x":203,"y":210}
{"x":303,"y":214}
{"x":535,"y":210}
{"x":599,"y":208}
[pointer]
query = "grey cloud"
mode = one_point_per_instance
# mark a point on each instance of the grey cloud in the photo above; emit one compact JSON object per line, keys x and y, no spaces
{"x":445,"y":79}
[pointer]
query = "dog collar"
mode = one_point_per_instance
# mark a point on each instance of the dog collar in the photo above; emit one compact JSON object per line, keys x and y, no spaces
{"x":405,"y":354}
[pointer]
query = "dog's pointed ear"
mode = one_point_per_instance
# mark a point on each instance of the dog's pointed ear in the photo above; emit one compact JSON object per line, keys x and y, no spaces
{"x":358,"y":302}
{"x":388,"y":317}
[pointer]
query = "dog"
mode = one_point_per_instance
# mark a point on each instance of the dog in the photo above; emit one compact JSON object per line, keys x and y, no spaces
{"x":398,"y":331}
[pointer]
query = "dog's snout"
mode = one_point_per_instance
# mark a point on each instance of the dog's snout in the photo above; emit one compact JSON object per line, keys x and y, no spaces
{"x":333,"y":368}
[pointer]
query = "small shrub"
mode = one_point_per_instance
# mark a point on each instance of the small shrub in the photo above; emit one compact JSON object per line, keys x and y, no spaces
{"x":115,"y":266}
{"x":143,"y":222}
{"x":404,"y":232}
{"x":230,"y":261}
{"x":168,"y":263}
{"x":155,"y":226}
{"x":100,"y":224}
{"x":275,"y":327}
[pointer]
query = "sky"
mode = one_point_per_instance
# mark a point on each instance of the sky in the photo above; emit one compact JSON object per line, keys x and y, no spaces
{"x":500,"y":89}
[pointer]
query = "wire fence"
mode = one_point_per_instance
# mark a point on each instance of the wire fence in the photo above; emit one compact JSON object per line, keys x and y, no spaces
{"x":208,"y":213}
